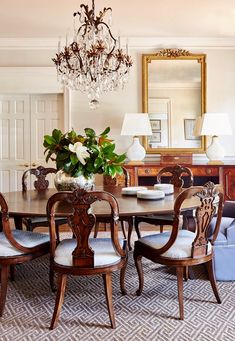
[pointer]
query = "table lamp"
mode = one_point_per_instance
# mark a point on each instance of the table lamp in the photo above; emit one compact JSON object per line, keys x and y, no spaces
{"x":136,"y":125}
{"x":215,"y":124}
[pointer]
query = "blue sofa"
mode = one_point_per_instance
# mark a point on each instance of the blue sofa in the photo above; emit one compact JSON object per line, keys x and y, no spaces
{"x":224,"y":247}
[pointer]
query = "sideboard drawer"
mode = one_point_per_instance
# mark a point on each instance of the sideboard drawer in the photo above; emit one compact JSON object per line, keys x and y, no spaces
{"x":205,"y":171}
{"x":147,"y":171}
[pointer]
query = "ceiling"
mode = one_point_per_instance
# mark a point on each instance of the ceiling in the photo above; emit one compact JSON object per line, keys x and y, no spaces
{"x":131,"y":18}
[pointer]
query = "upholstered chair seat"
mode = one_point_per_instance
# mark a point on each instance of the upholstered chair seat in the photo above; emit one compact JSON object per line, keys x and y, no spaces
{"x":182,"y":248}
{"x":24,"y":238}
{"x":104,"y":253}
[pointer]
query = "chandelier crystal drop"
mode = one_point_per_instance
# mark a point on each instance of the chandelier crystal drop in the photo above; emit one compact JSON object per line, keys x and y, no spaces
{"x":93,"y":63}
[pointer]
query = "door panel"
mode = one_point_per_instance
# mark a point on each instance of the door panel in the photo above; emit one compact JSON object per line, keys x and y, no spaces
{"x":24,"y":120}
{"x":14,"y":139}
{"x":46,"y":114}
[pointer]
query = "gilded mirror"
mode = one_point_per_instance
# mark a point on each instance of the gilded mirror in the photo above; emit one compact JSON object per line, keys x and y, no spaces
{"x":174,"y":83}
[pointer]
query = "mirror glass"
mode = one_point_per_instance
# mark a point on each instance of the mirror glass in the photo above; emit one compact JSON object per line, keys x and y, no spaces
{"x":174,"y":97}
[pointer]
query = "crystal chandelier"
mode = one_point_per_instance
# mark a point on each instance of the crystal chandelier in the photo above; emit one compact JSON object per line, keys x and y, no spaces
{"x":92,"y":63}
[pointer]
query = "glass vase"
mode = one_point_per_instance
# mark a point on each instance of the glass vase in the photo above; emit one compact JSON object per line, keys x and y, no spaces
{"x":66,"y":182}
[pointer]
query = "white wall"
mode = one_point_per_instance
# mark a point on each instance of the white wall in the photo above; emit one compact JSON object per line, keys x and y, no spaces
{"x":220,"y":89}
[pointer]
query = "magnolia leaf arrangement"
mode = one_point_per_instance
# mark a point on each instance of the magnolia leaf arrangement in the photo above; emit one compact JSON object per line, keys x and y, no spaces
{"x":83,"y":154}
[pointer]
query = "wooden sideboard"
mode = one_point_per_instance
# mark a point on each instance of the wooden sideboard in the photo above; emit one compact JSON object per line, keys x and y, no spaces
{"x":145,"y":174}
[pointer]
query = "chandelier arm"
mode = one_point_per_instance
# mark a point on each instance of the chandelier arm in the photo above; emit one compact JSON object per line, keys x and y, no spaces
{"x":110,"y":33}
{"x":85,"y":29}
{"x":102,"y":13}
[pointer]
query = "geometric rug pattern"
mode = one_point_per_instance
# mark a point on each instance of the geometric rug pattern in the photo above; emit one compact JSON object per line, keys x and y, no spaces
{"x":151,"y":317}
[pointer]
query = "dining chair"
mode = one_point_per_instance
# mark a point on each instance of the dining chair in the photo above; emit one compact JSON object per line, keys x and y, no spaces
{"x":17,"y":247}
{"x":182,"y":248}
{"x":174,"y":175}
{"x":118,"y":180}
{"x":82,"y":255}
{"x":41,"y":183}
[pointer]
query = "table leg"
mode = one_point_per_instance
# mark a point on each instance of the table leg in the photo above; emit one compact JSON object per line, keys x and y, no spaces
{"x":130,"y":228}
{"x":18,"y":222}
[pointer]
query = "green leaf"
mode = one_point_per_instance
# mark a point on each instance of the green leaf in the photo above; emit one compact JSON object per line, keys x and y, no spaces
{"x":72,"y":135}
{"x":49,"y":139}
{"x":57,"y":134}
{"x":120,"y":158}
{"x":98,"y":162}
{"x":119,"y":169}
{"x":108,"y":150}
{"x":62,"y":156}
{"x":105,"y":132}
{"x":111,"y":170}
{"x":89,"y":132}
{"x":95,"y":149}
{"x":74,"y":159}
{"x":68,"y":167}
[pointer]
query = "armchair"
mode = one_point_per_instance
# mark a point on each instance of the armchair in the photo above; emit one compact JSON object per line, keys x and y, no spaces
{"x":224,"y":246}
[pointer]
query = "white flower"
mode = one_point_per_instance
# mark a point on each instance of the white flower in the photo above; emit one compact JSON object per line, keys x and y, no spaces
{"x":80,"y":150}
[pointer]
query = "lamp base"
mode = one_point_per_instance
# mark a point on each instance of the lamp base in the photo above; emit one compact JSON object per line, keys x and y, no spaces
{"x":215,"y":151}
{"x":136,"y":151}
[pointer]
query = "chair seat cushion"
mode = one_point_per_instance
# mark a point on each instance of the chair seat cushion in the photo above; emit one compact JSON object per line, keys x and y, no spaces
{"x":104,"y":253}
{"x":24,"y":238}
{"x":182,"y":248}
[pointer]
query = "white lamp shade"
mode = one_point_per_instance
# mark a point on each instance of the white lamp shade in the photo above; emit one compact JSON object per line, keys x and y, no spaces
{"x":136,"y":125}
{"x":215,"y":124}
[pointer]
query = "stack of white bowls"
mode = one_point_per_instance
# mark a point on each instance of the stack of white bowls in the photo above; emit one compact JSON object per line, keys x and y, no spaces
{"x":166,"y":188}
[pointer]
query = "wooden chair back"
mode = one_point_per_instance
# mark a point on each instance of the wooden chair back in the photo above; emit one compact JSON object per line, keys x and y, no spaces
{"x":210,"y":203}
{"x":81,"y":221}
{"x":176,"y":172}
{"x":41,"y":183}
{"x":6,"y":229}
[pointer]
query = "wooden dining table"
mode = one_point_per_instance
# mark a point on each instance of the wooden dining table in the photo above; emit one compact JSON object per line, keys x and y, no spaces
{"x":33,"y":203}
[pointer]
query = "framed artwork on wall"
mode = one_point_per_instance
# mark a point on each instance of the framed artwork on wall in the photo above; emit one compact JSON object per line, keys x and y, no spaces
{"x":189,"y":124}
{"x":155,"y":138}
{"x":155,"y":124}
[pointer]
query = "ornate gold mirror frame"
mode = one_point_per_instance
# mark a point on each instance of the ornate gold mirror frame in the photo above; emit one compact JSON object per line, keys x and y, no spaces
{"x":170,"y":77}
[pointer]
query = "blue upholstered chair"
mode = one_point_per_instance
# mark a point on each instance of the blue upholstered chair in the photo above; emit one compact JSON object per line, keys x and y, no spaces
{"x":224,"y":246}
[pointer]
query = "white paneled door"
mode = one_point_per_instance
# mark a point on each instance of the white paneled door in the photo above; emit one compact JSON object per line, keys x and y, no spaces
{"x":24,"y":120}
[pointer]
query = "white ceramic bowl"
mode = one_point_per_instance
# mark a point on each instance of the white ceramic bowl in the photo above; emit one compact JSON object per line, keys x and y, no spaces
{"x":166,"y":188}
{"x":133,"y":190}
{"x":151,"y":194}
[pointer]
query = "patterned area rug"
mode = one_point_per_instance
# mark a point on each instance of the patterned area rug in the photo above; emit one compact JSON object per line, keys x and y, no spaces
{"x":152,"y":316}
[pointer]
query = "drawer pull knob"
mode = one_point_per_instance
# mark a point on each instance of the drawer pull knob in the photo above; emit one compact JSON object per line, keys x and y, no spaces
{"x":208,"y":171}
{"x":147,"y":171}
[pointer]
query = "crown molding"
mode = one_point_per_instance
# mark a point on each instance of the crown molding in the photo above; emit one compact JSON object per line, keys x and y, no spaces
{"x":182,"y":42}
{"x":28,"y":43}
{"x":133,"y":42}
